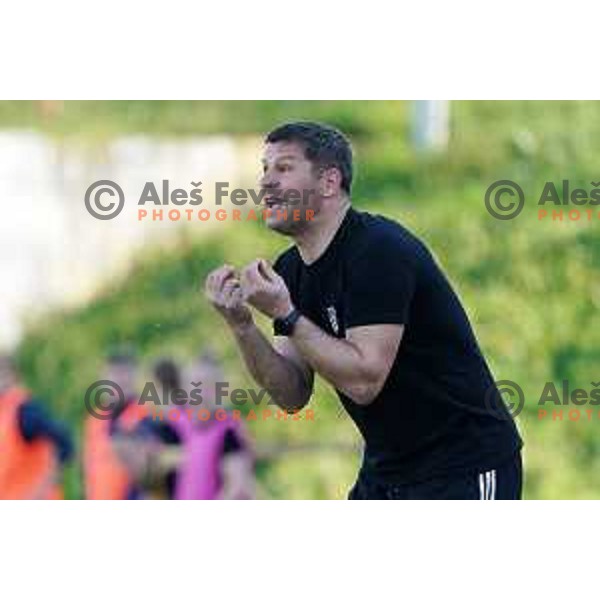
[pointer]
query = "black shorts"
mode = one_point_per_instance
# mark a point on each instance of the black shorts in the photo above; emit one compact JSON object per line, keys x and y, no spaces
{"x":501,"y":483}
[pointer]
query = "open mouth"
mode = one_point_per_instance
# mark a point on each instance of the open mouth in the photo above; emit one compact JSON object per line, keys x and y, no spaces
{"x":273,"y":201}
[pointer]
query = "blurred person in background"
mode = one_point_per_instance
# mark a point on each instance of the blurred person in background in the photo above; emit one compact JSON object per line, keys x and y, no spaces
{"x":221,"y":442}
{"x":151,"y":449}
{"x":34,"y":446}
{"x":106,"y":477}
{"x":184,"y":451}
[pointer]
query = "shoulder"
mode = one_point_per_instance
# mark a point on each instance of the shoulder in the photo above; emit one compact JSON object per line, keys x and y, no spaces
{"x":377,"y":236}
{"x":286,"y":262}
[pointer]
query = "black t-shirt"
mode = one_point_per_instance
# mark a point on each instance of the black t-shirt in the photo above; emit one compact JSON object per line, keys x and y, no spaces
{"x":432,"y":415}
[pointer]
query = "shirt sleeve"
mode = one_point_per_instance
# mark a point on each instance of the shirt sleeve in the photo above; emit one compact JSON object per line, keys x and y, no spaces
{"x":282,"y":267}
{"x":35,"y":423}
{"x":380,"y":284}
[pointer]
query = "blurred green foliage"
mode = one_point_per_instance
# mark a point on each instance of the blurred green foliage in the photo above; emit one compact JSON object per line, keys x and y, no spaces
{"x":531,"y":288}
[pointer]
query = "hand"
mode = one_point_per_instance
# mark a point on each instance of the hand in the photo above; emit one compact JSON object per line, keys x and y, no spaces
{"x":264,"y":289}
{"x":222,"y":288}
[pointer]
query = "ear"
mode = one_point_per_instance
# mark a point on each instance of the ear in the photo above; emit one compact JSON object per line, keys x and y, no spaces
{"x":330,"y":182}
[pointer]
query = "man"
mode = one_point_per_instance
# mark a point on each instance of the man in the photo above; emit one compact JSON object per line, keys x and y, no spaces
{"x":360,"y":300}
{"x":34,"y":446}
{"x":105,"y":474}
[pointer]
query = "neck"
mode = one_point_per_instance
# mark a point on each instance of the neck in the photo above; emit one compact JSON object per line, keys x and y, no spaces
{"x":313,"y":242}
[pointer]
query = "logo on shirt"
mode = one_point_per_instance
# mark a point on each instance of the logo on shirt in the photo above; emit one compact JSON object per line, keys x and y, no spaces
{"x":332,"y":315}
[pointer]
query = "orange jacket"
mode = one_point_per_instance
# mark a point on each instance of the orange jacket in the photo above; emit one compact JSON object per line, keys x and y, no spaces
{"x":28,"y":470}
{"x":106,"y":478}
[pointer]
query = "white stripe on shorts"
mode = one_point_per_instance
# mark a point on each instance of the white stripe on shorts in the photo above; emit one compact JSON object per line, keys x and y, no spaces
{"x":487,"y":485}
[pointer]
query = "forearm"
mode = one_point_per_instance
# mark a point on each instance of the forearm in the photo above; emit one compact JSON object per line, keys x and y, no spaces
{"x":337,"y":360}
{"x":283,"y":380}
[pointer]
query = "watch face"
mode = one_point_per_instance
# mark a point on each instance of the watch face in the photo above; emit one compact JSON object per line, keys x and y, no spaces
{"x":285,"y":326}
{"x":278,"y":327}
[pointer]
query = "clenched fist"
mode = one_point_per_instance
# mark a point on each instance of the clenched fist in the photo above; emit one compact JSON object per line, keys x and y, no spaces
{"x":223,"y":290}
{"x":265,"y":290}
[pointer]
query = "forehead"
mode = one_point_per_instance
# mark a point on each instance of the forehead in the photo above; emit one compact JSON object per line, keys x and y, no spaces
{"x":280,"y":150}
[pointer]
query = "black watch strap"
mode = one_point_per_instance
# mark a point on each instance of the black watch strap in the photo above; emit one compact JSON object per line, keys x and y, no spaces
{"x":285,"y":325}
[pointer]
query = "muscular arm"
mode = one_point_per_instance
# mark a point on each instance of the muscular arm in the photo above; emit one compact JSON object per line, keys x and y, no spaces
{"x":278,"y":368}
{"x":281,"y":371}
{"x":358,"y":365}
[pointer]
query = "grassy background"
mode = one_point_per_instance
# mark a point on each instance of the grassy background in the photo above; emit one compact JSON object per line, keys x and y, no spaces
{"x":532,"y":289}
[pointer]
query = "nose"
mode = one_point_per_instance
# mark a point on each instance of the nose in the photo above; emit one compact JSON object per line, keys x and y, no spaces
{"x":267,"y":181}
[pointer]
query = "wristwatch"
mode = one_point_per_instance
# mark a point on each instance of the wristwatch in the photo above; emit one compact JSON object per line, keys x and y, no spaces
{"x":285,"y":325}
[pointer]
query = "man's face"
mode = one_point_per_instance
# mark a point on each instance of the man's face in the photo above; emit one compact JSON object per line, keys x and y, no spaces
{"x":285,"y":168}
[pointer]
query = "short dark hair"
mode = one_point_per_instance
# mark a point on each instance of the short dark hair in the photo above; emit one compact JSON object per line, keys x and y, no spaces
{"x":325,"y":146}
